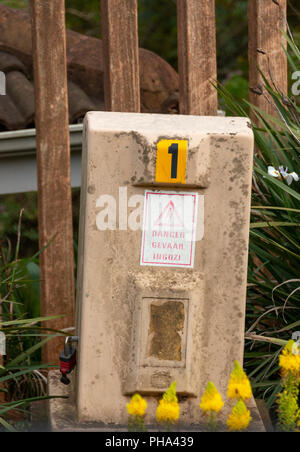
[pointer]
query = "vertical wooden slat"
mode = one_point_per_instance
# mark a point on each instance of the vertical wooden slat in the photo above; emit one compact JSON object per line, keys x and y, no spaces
{"x":197,"y":62}
{"x":121,"y":54}
{"x":267,"y":19}
{"x":53,"y":159}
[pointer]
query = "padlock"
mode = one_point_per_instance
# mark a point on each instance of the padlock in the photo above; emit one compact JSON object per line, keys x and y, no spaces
{"x":67,"y":360}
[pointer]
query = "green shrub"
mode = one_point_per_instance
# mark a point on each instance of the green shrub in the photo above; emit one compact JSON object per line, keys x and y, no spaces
{"x":274,"y":258}
{"x":21,"y":372}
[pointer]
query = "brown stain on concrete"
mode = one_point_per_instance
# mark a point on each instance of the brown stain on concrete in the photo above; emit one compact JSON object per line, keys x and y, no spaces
{"x":166,"y":328}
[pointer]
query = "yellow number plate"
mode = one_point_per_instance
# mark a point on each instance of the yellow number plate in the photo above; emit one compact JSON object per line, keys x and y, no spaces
{"x":171,"y":159}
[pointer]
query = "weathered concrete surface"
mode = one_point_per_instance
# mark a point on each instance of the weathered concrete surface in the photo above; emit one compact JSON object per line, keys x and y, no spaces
{"x":62,"y":414}
{"x":118,"y":353}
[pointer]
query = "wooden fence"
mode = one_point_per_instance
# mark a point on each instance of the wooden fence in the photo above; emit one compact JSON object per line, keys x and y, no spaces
{"x":197,"y":68}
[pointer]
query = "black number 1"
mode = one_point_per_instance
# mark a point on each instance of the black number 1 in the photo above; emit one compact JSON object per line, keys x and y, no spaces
{"x":173,"y":149}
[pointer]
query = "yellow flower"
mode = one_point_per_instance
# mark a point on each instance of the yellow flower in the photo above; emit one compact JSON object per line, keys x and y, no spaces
{"x":167,"y":412}
{"x":288,"y":411}
{"x":211,"y":399}
{"x":137,"y":406}
{"x":170,"y":394}
{"x":288,"y":361}
{"x":239,"y":385}
{"x":168,"y":408}
{"x":240,"y":418}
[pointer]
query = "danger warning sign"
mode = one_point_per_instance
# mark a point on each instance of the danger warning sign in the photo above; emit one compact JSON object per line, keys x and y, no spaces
{"x":166,"y":218}
{"x":169,"y":228}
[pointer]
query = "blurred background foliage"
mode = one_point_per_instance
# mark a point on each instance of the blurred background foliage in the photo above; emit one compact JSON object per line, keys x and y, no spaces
{"x":158,"y":28}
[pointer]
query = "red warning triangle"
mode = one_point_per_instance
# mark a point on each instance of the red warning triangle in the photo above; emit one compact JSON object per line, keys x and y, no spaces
{"x":169,"y":217}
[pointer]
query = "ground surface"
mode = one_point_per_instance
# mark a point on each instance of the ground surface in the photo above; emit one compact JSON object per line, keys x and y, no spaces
{"x":62,"y":414}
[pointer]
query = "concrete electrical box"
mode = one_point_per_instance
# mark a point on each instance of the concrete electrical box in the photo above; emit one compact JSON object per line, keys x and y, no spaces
{"x":163,"y":246}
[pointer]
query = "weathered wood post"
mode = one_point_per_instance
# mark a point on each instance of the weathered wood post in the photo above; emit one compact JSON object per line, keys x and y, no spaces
{"x":267,"y":20}
{"x":121,"y":53}
{"x":53,"y":159}
{"x":197,"y":62}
